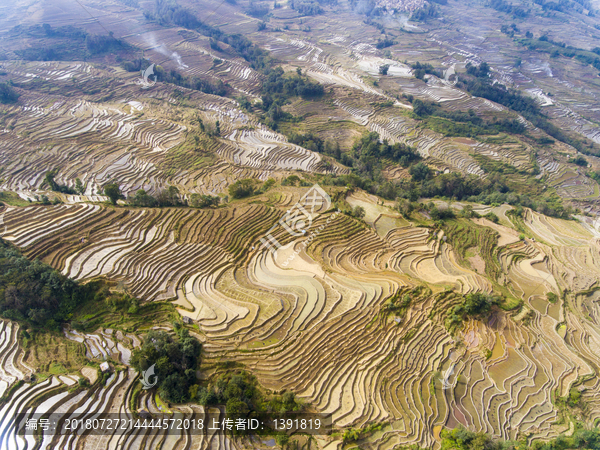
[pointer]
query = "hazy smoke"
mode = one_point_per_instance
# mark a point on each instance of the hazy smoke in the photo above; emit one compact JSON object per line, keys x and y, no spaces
{"x":364,"y":6}
{"x":164,"y":50}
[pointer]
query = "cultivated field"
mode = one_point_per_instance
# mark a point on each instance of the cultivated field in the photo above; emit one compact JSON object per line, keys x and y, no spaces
{"x":358,"y":317}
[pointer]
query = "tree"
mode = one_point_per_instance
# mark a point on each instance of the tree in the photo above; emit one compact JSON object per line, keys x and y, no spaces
{"x":351,"y":435}
{"x":236,"y":406}
{"x":404,"y":206}
{"x":478,"y":303}
{"x":175,"y":357}
{"x":113,"y":192}
{"x":168,"y":197}
{"x":420,"y":108}
{"x":172,"y":388}
{"x":579,"y":160}
{"x":242,"y":188}
{"x":79,"y":187}
{"x":282,"y":439}
{"x":7,"y":93}
{"x":204,"y":201}
{"x":141,"y":198}
{"x":54,"y":186}
{"x":50,"y":180}
{"x":358,"y":212}
{"x":33,"y":292}
{"x":383,"y":69}
{"x":420,"y":172}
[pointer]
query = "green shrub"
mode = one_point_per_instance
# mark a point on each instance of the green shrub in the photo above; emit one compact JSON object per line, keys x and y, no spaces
{"x":242,"y":188}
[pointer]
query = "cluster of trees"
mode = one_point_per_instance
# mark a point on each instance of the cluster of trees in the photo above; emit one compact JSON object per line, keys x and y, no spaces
{"x":33,"y":292}
{"x":420,"y":70}
{"x":174,"y":77}
{"x":552,"y":206}
{"x":316,"y":144}
{"x":8,"y":93}
{"x":208,"y":129}
{"x":420,"y":172}
{"x":257,"y":10}
{"x":58,"y":52}
{"x":478,"y":304}
{"x":54,"y":186}
{"x":240,"y":394}
{"x":204,"y":201}
{"x":135,"y":65}
{"x":478,"y":83}
{"x":176,"y":359}
{"x":384,"y":43}
{"x":165,"y":197}
{"x":424,"y":183}
{"x":168,"y":12}
{"x":47,"y":31}
{"x":354,"y":434}
{"x":69,"y":43}
{"x":306,"y":8}
{"x":595,"y":175}
{"x":461,"y":187}
{"x":383,"y":69}
{"x":294,"y":180}
{"x":449,"y":127}
{"x":481,"y":71}
{"x":247,"y":187}
{"x":398,"y":303}
{"x":113,"y":192}
{"x":357,"y":212}
{"x":565,"y":5}
{"x":509,"y":8}
{"x":509,"y":30}
{"x":579,"y":160}
{"x":367,"y":153}
{"x":556,"y":49}
{"x":279,"y":87}
{"x":440,"y":213}
{"x":425,"y":13}
{"x":172,"y":197}
{"x":103,"y":43}
{"x":461,"y":123}
{"x":242,"y":188}
{"x":463,"y":439}
{"x":194,"y":82}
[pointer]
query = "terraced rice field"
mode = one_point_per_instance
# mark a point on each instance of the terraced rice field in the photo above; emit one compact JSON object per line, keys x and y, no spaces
{"x":53,"y":395}
{"x":138,"y":138}
{"x":314,"y":325}
{"x":314,"y":317}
